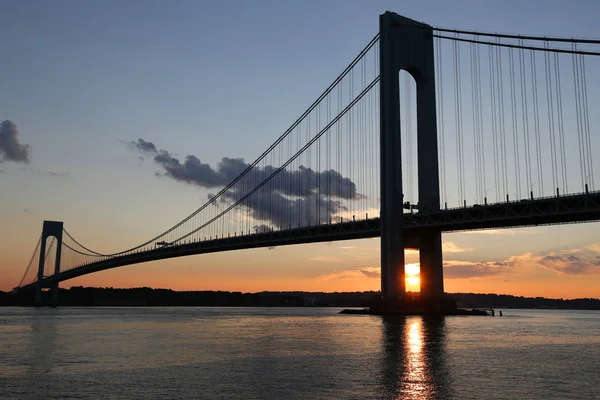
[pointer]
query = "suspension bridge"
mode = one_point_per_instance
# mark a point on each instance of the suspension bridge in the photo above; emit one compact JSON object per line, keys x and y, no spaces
{"x":428,"y":130}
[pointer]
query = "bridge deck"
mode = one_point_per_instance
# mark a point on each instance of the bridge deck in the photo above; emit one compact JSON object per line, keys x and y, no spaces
{"x":577,"y":208}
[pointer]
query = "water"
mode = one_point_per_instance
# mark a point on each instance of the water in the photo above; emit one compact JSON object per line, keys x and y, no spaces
{"x":301,"y":353}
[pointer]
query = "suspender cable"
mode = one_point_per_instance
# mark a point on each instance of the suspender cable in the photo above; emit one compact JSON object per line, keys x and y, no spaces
{"x":513,"y":102}
{"x":550,"y":108}
{"x":561,"y":130}
{"x":587,"y":122}
{"x":536,"y":124}
{"x":409,"y":140}
{"x":474,"y":121}
{"x":502,"y":122}
{"x":480,"y":124}
{"x":494,"y":110}
{"x":440,"y":119}
{"x":458,"y":123}
{"x":525,"y":114}
{"x":295,"y":156}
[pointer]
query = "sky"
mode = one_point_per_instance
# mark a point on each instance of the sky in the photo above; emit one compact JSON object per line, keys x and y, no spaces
{"x":220,"y":79}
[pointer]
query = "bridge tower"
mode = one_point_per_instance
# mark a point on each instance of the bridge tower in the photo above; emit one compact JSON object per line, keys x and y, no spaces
{"x":50,"y":228}
{"x":407,"y":45}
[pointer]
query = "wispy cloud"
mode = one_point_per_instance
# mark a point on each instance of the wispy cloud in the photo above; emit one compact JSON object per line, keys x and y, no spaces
{"x":469,"y":269}
{"x":326,"y":259}
{"x":58,"y":174}
{"x":502,"y":232}
{"x":38,"y":171}
{"x":584,"y":261}
{"x":360,"y":273}
{"x":594,"y":247}
{"x":451,"y":247}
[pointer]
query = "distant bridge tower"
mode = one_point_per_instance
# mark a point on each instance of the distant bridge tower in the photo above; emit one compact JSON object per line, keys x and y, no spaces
{"x":408,"y":45}
{"x":50,"y":228}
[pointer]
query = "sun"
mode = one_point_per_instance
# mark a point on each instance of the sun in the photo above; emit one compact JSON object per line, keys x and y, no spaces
{"x":413,"y":281}
{"x":412,"y":269}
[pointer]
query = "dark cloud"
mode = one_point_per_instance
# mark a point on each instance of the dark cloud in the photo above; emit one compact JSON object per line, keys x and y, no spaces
{"x":10,"y":148}
{"x":144,"y":146}
{"x":289,"y":196}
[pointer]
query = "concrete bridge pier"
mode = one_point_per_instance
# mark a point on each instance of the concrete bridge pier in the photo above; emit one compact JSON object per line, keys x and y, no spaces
{"x":55,"y":229}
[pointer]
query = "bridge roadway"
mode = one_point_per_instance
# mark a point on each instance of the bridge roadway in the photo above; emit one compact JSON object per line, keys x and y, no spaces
{"x":584,"y":207}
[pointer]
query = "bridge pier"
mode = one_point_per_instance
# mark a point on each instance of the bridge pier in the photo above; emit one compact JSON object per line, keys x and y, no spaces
{"x":55,"y":229}
{"x":407,"y":45}
{"x":430,"y":258}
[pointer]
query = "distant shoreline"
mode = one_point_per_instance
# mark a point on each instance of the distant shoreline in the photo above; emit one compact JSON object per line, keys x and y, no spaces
{"x":149,"y":297}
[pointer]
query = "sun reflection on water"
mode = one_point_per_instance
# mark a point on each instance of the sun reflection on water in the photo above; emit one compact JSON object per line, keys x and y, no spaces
{"x":415,"y":358}
{"x":415,"y":378}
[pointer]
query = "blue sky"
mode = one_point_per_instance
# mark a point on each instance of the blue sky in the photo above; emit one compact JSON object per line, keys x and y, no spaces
{"x":213,"y":79}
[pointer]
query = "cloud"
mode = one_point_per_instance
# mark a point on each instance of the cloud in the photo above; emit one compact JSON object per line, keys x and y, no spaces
{"x":574,"y":262}
{"x":325,"y":259}
{"x":469,"y":269}
{"x":594,"y":247}
{"x":502,"y":232}
{"x":58,"y":174}
{"x":450,"y":247}
{"x":371,"y":272}
{"x":142,"y":145}
{"x":290,"y":196}
{"x":10,"y":148}
{"x":584,"y":261}
{"x":360,"y":273}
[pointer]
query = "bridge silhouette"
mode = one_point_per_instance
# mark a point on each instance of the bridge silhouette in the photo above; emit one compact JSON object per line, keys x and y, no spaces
{"x":508,"y":140}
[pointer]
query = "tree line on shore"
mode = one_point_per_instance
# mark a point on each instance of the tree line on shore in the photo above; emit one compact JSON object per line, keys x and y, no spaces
{"x":145,"y":296}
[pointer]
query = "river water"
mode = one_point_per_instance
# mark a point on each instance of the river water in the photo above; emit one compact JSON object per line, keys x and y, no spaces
{"x":295,"y":353}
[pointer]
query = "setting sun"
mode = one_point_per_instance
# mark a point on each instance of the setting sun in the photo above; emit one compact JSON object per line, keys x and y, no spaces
{"x":412,"y":269}
{"x":413,"y":282}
